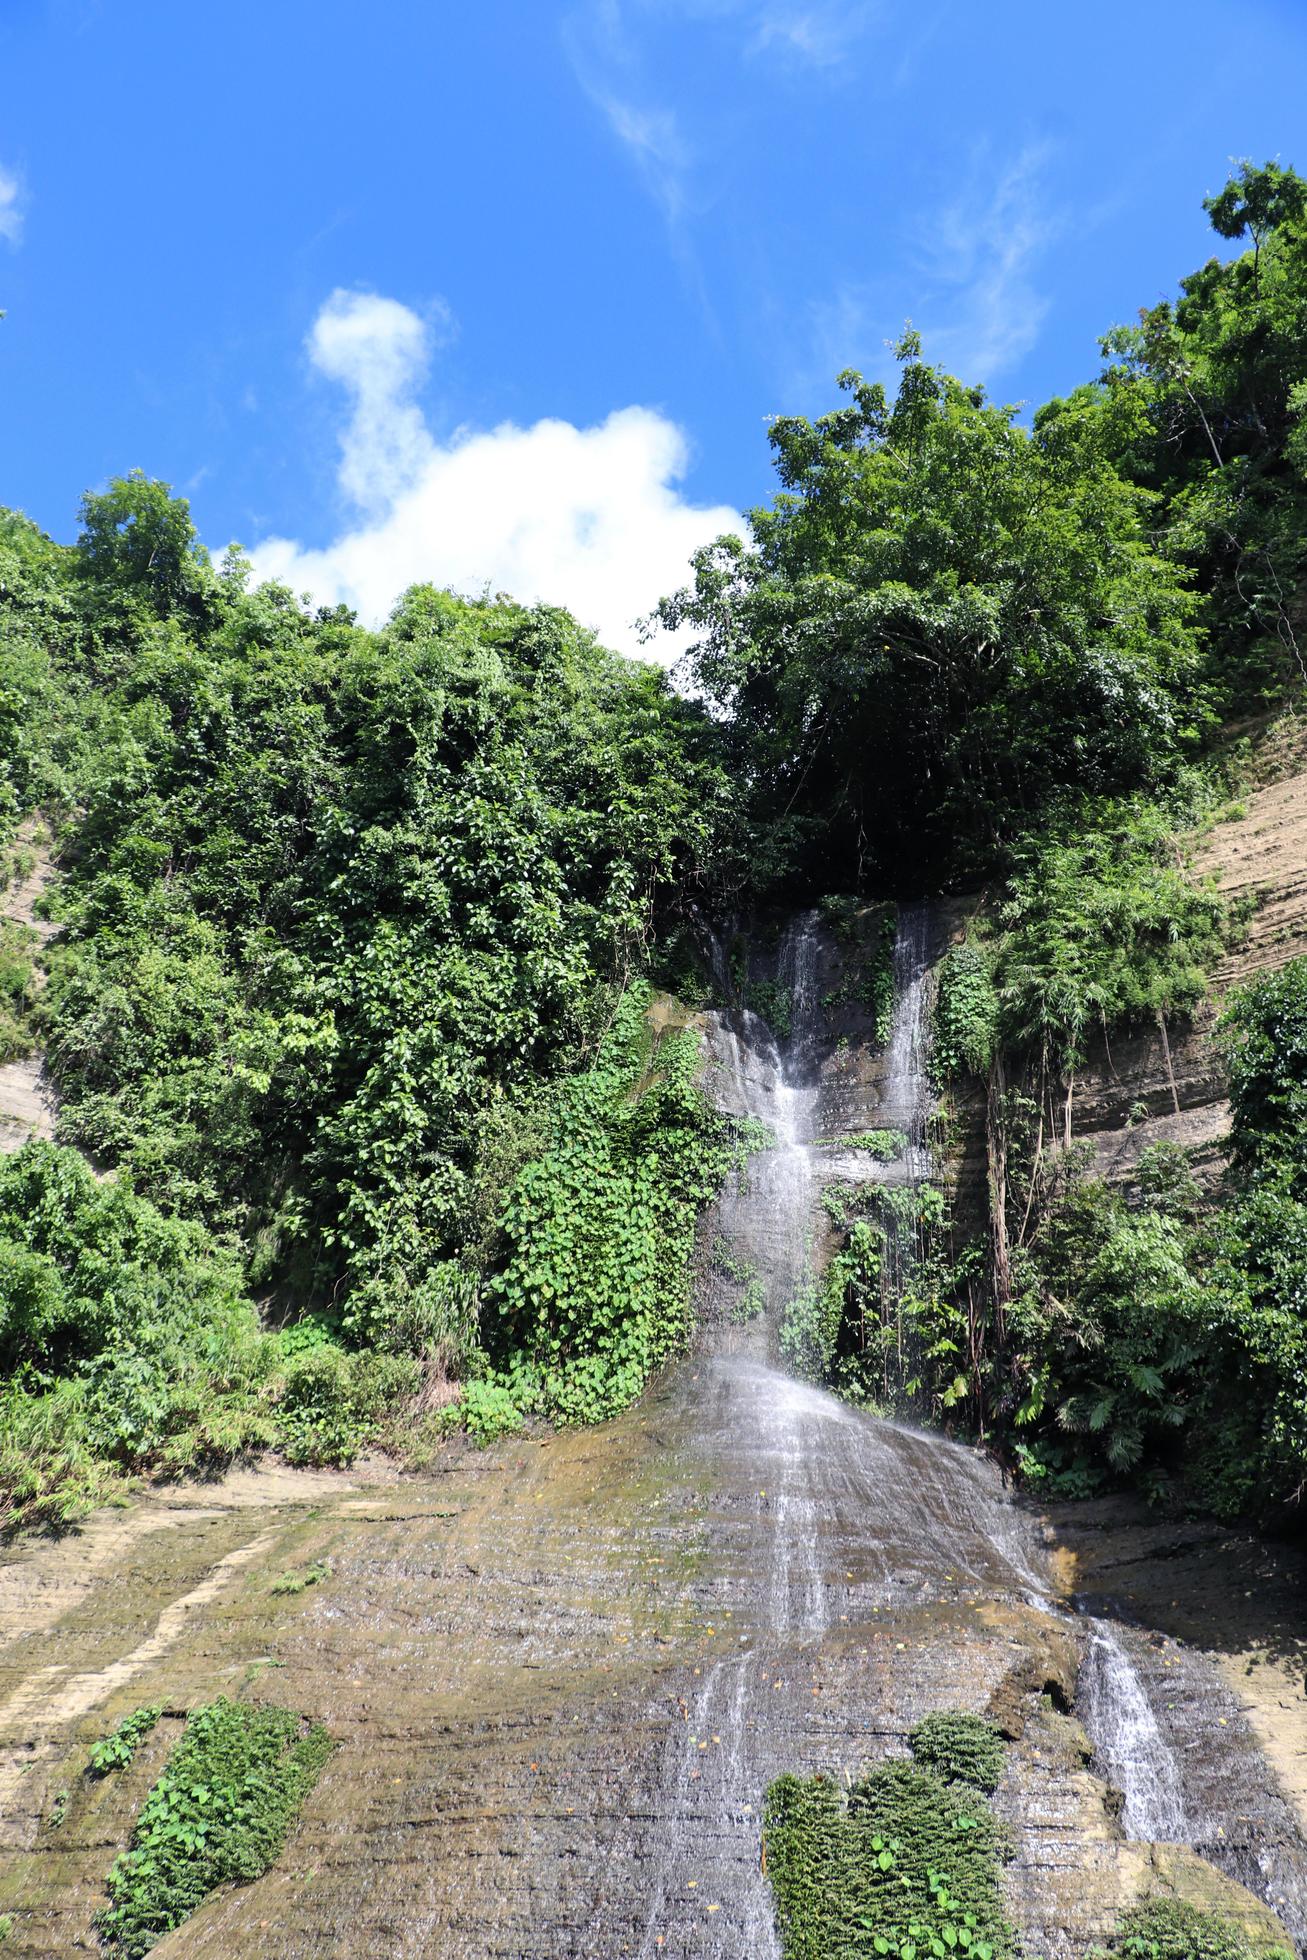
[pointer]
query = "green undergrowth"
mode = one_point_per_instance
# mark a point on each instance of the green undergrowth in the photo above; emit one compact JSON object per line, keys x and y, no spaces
{"x":219,"y":1814}
{"x":773,"y":1002}
{"x":865,"y":1326}
{"x":18,"y":990}
{"x":1169,"y":1929}
{"x":905,"y":1863}
{"x":866,"y":934}
{"x":118,"y":1750}
{"x":599,"y":1230}
{"x":883,"y":1145}
{"x":129,"y":1345}
{"x":1100,"y":926}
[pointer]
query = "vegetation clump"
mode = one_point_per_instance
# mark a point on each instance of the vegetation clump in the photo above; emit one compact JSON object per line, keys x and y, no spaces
{"x":595,"y":1288}
{"x":959,"y":1747}
{"x":906,"y":1865}
{"x":218,"y":1815}
{"x":118,"y":1750}
{"x":1171,"y":1929}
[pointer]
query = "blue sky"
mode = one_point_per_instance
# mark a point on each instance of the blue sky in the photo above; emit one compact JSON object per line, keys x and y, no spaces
{"x":506,"y":292}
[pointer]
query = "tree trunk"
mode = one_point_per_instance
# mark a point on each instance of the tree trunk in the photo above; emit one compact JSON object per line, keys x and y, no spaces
{"x":1166,"y":1050}
{"x":996,"y":1153}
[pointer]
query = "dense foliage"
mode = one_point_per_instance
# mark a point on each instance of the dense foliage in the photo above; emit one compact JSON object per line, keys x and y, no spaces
{"x":339,"y":912}
{"x":351,"y":989}
{"x":907,"y":1865}
{"x":600,"y":1227}
{"x":943,"y":622}
{"x":219,"y":1814}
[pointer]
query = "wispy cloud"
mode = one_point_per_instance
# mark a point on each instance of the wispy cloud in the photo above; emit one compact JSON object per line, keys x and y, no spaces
{"x":987,"y":309}
{"x":11,"y":206}
{"x":608,"y":45}
{"x":653,"y":139}
{"x":975,"y":293}
{"x":821,"y":35}
{"x":588,"y":518}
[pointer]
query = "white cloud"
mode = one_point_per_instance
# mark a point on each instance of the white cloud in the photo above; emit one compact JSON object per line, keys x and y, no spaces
{"x":587,"y":518}
{"x":379,"y":351}
{"x":11,"y":206}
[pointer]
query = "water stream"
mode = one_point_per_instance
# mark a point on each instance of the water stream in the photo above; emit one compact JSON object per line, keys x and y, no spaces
{"x":858,"y":1513}
{"x":1130,"y":1746}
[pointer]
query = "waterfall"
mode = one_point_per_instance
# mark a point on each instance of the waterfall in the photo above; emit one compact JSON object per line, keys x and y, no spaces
{"x":836,"y":1515}
{"x":1128,"y":1743}
{"x":908,"y":1096}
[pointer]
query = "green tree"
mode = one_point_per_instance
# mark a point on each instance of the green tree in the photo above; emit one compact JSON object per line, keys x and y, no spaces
{"x":941,"y":621}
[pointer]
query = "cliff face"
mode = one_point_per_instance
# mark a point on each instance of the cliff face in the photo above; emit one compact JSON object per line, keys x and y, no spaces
{"x":1167,"y":1084}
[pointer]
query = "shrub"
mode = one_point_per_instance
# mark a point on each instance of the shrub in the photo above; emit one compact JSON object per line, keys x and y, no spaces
{"x":126,"y":1335}
{"x":1169,"y":1929}
{"x":960,"y":1748}
{"x":117,"y":1751}
{"x":218,"y":1814}
{"x":333,"y":1402}
{"x":489,"y":1410}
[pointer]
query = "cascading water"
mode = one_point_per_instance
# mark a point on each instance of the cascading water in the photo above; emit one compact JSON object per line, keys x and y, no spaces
{"x":1128,"y":1742}
{"x":857,"y":1515}
{"x":901,"y":1507}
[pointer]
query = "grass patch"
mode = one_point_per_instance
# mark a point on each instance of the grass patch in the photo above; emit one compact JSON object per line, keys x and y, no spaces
{"x":298,"y":1582}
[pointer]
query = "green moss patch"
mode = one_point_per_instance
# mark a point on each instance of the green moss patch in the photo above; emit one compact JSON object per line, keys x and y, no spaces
{"x":1169,"y":1929}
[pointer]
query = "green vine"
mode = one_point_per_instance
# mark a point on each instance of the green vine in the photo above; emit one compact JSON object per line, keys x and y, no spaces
{"x":118,"y":1750}
{"x":596,"y":1288}
{"x":966,"y":1012}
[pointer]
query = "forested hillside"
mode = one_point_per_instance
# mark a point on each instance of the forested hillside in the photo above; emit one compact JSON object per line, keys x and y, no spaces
{"x":363,"y":1129}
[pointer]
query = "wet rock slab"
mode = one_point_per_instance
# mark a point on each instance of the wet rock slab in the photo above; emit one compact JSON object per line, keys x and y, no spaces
{"x":561,"y":1675}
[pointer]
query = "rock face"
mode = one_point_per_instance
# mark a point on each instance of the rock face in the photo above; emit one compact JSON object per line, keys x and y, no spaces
{"x":562,"y":1672}
{"x":1168,"y":1084}
{"x":26,"y":1105}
